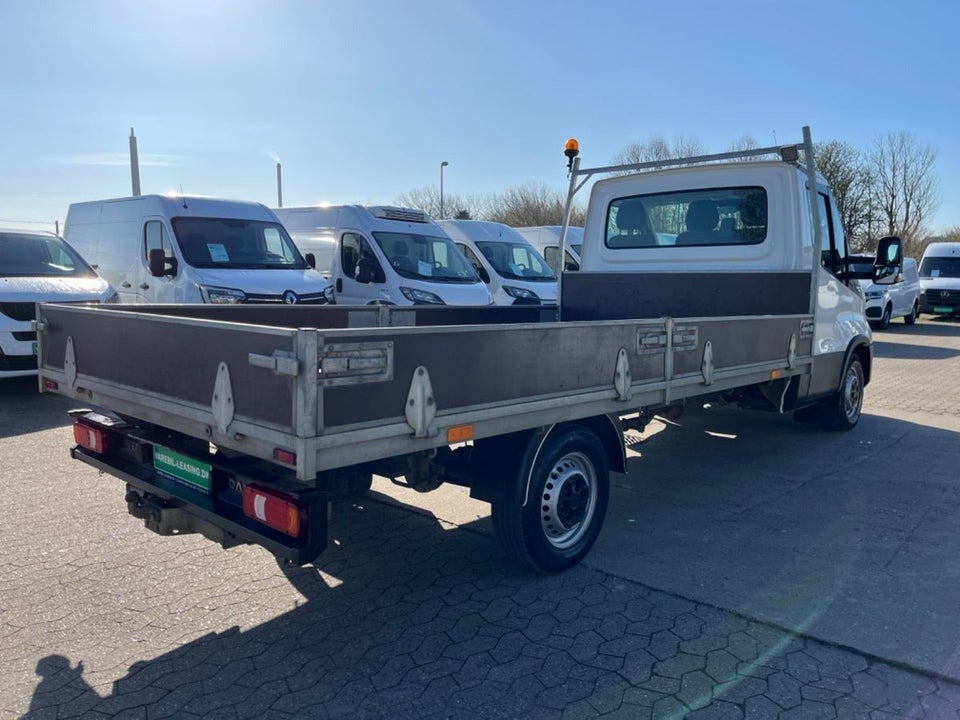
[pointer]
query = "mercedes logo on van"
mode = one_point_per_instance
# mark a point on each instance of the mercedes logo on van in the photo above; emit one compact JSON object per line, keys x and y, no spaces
{"x":944,"y":293}
{"x":290,"y":298}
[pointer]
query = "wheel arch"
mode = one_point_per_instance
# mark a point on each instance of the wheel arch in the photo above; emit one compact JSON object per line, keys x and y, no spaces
{"x":862,"y":347}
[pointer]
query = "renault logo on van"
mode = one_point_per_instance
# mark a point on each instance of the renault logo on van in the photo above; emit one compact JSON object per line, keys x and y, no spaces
{"x":944,"y":293}
{"x":290,"y":298}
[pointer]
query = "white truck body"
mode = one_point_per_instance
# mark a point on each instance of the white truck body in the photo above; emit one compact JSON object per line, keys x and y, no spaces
{"x":214,"y":250}
{"x":515,"y":273}
{"x":546,"y":239}
{"x":281,"y":408}
{"x":940,"y":279}
{"x":412,"y":260}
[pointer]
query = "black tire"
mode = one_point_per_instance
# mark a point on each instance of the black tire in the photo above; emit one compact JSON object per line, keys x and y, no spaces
{"x":914,"y":314}
{"x":884,"y":322}
{"x":569,"y":490}
{"x":842,"y":412}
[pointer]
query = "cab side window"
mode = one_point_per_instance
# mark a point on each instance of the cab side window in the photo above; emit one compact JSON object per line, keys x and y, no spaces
{"x":831,"y":257}
{"x":352,"y":248}
{"x":155,"y":237}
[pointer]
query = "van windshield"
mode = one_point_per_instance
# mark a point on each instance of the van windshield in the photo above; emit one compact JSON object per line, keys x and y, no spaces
{"x":426,"y":257}
{"x":36,"y":255}
{"x":937,"y":267}
{"x":516,"y":261}
{"x":229,"y":243}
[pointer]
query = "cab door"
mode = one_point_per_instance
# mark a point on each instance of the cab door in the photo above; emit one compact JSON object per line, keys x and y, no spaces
{"x":152,"y":289}
{"x":353,"y":249}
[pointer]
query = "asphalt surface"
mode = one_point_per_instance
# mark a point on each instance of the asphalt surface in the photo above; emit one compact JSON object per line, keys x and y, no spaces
{"x":750,"y":567}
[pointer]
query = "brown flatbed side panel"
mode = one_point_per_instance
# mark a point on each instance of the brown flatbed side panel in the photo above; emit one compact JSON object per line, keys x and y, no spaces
{"x":621,"y":296}
{"x":178,"y":360}
{"x":491,"y":366}
{"x":743,"y":341}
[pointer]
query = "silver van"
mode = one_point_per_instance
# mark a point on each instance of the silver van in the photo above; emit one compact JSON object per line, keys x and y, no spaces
{"x":900,"y":299}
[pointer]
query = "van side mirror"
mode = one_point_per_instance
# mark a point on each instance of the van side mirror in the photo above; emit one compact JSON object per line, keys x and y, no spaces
{"x":311,"y":260}
{"x":158,"y":261}
{"x":482,"y":272}
{"x":888,"y":266}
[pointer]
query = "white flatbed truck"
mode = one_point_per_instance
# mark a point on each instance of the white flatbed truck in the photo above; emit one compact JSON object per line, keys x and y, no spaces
{"x":244,"y":423}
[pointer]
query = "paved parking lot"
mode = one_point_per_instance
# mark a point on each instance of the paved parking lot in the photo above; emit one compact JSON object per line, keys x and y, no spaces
{"x":750,"y":567}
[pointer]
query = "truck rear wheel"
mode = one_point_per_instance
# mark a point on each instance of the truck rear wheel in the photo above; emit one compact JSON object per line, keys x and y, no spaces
{"x":842,"y":412}
{"x":569,"y":485}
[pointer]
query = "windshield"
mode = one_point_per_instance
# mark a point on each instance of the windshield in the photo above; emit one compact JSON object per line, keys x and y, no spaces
{"x":425,"y":257}
{"x":28,"y":255}
{"x":517,"y":261}
{"x":229,"y":243}
{"x":938,"y":267}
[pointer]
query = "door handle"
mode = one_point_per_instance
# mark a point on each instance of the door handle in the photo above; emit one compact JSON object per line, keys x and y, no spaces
{"x":125,"y":284}
{"x":144,"y":286}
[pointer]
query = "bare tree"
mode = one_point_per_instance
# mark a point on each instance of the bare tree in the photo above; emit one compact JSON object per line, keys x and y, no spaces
{"x":658,"y":148}
{"x":847,"y":171}
{"x":428,"y":199}
{"x":531,"y":204}
{"x":905,"y":189}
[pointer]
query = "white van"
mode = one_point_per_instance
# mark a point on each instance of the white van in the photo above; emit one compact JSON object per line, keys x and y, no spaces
{"x":186,"y":249}
{"x":384,"y":255}
{"x":900,"y":299}
{"x":515,"y":273}
{"x":940,"y":279}
{"x":546,"y":239}
{"x":38,"y":267}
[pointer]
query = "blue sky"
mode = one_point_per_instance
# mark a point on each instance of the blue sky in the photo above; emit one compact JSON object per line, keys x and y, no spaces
{"x":360,"y":100}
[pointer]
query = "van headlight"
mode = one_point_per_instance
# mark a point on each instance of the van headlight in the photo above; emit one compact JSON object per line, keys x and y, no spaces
{"x":873,"y":294}
{"x":520,"y":293}
{"x":421,"y":297}
{"x":222,"y":296}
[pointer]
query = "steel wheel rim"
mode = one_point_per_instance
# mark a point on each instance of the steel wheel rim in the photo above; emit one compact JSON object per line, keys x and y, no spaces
{"x":569,"y":500}
{"x":852,"y":394}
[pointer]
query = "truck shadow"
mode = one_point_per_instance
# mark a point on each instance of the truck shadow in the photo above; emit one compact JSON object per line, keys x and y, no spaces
{"x":23,"y":409}
{"x":905,"y":351}
{"x":405,"y":616}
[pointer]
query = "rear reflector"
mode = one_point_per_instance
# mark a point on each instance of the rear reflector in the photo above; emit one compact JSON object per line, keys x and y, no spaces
{"x":273,"y":509}
{"x":91,"y":438}
{"x":285,"y":456}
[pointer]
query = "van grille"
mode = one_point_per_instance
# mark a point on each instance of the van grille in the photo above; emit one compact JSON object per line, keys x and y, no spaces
{"x":311,"y":299}
{"x":21,"y":311}
{"x":936,"y":296}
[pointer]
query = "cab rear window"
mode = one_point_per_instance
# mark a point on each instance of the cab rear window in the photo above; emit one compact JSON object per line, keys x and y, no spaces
{"x":716,"y":216}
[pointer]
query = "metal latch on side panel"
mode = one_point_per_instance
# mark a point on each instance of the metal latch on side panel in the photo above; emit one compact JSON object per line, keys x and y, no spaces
{"x":706,"y":366}
{"x":281,"y":362}
{"x":222,"y":403}
{"x":355,"y":363}
{"x":70,"y":363}
{"x":421,"y":408}
{"x":806,"y":329}
{"x":685,"y":338}
{"x":792,"y":352}
{"x":622,"y":376}
{"x":651,"y":342}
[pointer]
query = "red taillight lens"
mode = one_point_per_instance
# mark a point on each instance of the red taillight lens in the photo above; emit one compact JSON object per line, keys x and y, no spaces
{"x":285,"y":456}
{"x":273,"y":509}
{"x":91,"y":438}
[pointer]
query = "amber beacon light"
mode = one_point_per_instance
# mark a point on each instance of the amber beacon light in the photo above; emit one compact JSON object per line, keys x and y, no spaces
{"x":571,"y":149}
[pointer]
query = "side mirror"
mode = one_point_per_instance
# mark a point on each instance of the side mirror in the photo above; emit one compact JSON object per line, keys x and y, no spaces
{"x":157,"y":262}
{"x":311,"y":260}
{"x":888,"y":265}
{"x":482,"y":272}
{"x":570,"y":266}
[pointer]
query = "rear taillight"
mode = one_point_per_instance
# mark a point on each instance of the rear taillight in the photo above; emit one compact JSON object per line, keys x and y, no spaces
{"x":273,"y":509}
{"x":92,"y":438}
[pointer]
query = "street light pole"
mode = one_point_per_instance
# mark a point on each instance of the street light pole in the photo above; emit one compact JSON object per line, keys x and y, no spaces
{"x":442,"y":166}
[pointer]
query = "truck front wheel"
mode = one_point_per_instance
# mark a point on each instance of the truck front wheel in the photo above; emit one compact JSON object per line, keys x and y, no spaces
{"x":842,"y":412}
{"x":553,"y":523}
